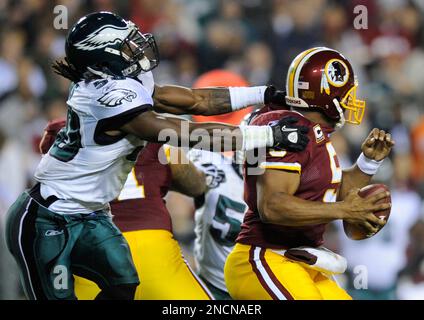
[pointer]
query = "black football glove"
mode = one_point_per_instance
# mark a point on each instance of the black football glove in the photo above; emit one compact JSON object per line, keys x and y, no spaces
{"x":288,"y":136}
{"x":274,"y":96}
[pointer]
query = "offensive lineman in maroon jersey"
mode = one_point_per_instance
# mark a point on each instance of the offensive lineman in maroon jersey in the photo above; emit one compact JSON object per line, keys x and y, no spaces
{"x":278,"y":254}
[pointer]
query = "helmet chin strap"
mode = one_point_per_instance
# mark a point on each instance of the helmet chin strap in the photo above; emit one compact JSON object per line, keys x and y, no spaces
{"x":144,"y":65}
{"x":300,"y":103}
{"x":99,"y":73}
{"x":342,"y":120}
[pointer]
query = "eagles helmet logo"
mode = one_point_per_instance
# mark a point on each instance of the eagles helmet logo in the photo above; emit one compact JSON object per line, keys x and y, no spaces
{"x":103,"y":37}
{"x":115,"y":97}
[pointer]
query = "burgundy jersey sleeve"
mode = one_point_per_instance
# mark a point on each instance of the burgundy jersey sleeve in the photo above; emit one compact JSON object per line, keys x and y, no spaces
{"x":282,"y":159}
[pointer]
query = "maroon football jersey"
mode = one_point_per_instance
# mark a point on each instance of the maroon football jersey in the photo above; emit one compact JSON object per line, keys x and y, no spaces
{"x":320,"y":177}
{"x":140,"y":205}
{"x":267,"y":108}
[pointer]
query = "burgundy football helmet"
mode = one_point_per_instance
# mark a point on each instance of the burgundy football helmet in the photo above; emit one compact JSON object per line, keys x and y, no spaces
{"x":322,"y":79}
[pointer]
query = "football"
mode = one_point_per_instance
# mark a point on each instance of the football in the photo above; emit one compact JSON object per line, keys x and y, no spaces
{"x":356,"y":232}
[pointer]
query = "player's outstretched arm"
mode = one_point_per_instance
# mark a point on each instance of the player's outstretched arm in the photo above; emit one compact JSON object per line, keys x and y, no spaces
{"x":375,"y":149}
{"x":213,"y":101}
{"x":216,"y":136}
{"x":179,"y":132}
{"x":186,"y":178}
{"x":278,"y":205}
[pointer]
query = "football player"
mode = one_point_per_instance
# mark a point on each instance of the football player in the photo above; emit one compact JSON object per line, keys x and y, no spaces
{"x":220,"y":210}
{"x":141,"y":214}
{"x":63,"y":225}
{"x":279,"y":253}
{"x":218,"y":217}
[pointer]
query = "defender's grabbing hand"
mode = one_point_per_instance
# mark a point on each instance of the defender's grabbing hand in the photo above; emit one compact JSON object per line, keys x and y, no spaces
{"x":377,"y":145}
{"x":274,"y":96}
{"x":288,"y":136}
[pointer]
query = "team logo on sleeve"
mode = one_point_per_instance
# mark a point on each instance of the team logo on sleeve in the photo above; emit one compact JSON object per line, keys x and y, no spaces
{"x":214,"y":176}
{"x":116,"y":97}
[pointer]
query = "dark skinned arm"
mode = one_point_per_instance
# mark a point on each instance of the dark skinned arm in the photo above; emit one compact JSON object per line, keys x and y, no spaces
{"x":206,"y":101}
{"x":376,"y":146}
{"x":181,"y":100}
{"x":155,"y":127}
{"x":186,"y":178}
{"x":352,"y":178}
{"x":278,"y":205}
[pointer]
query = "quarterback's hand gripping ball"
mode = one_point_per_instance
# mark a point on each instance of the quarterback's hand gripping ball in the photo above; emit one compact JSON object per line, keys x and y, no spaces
{"x":355,"y":232}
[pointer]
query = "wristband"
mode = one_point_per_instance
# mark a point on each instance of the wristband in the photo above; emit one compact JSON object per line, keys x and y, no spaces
{"x":242,"y":97}
{"x":368,"y":166}
{"x":256,"y":137}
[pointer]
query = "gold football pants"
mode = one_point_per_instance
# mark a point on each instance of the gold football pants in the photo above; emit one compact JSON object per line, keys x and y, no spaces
{"x":254,"y":273}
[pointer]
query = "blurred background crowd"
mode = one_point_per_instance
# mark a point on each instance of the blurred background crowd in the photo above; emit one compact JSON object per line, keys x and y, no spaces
{"x":256,"y":39}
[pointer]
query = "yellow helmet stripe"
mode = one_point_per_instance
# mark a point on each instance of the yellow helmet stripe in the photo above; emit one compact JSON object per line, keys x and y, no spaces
{"x":300,"y":66}
{"x":293,"y":68}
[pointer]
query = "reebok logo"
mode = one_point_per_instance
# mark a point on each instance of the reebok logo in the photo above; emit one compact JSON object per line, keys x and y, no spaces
{"x":50,"y":233}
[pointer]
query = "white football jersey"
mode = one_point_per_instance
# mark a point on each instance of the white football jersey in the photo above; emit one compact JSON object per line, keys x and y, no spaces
{"x":218,"y":219}
{"x":85,"y":168}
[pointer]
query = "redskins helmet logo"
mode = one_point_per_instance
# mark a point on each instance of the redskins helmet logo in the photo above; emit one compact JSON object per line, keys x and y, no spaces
{"x":336,"y":72}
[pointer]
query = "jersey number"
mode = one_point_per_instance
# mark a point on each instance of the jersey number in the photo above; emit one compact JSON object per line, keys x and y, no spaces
{"x":225,"y":229}
{"x":133,"y":189}
{"x":68,"y":140}
{"x":331,"y":194}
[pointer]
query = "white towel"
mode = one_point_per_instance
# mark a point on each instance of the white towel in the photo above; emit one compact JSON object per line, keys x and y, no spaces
{"x":320,"y":259}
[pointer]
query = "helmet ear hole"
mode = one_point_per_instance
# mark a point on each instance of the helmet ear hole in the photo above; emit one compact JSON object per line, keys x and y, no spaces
{"x":99,"y":65}
{"x":99,"y":69}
